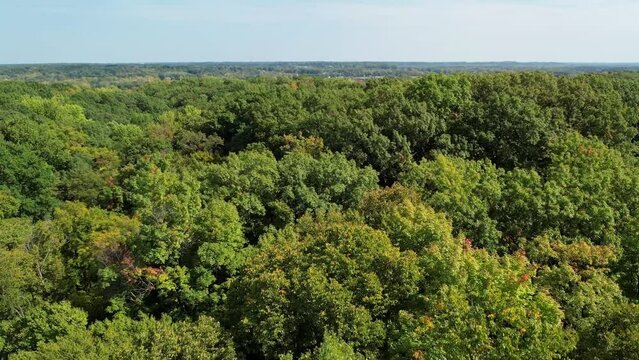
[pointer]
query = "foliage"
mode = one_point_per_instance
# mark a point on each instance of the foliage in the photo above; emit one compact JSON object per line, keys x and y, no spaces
{"x":147,"y":338}
{"x":326,"y":274}
{"x":465,"y":215}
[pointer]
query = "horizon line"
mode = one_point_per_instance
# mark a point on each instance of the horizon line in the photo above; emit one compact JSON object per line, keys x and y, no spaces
{"x":248,"y":62}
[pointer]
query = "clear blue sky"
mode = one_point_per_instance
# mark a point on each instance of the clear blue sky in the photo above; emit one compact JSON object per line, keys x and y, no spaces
{"x":34,"y":31}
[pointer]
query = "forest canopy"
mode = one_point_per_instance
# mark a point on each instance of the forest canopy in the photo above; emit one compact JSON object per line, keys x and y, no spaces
{"x":459,"y":216}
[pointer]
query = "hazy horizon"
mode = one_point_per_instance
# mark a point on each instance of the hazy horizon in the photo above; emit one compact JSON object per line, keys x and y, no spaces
{"x":248,"y":62}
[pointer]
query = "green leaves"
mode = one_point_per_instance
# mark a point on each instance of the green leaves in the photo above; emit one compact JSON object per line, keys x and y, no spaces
{"x":329,"y":274}
{"x":479,"y":305}
{"x":506,"y":226}
{"x":27,"y":182}
{"x":218,"y":231}
{"x":147,"y":338}
{"x":309,"y":183}
{"x":249,"y":181}
{"x":40,"y":324}
{"x":467,"y":191}
{"x":409,"y":223}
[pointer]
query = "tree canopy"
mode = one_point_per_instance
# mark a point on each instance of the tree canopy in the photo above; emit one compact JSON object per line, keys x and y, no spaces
{"x":457,"y":216}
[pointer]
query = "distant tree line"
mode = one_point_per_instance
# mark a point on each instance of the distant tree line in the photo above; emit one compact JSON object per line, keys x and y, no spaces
{"x":133,"y":75}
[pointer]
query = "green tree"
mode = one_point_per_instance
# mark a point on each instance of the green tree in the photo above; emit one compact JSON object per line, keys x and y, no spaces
{"x":400,"y":213}
{"x":249,"y":181}
{"x":312,"y":183}
{"x":146,"y":338}
{"x":478,"y":306}
{"x":167,"y":203}
{"x":328,"y":274}
{"x":38,"y":325}
{"x":26,"y":180}
{"x":466,"y":191}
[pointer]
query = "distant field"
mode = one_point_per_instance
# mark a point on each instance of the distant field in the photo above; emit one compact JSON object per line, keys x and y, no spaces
{"x":130,"y":74}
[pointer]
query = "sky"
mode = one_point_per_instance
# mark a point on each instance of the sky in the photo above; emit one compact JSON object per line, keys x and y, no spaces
{"x":117,"y":31}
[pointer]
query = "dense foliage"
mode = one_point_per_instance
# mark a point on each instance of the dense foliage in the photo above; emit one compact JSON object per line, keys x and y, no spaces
{"x":465,"y":216}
